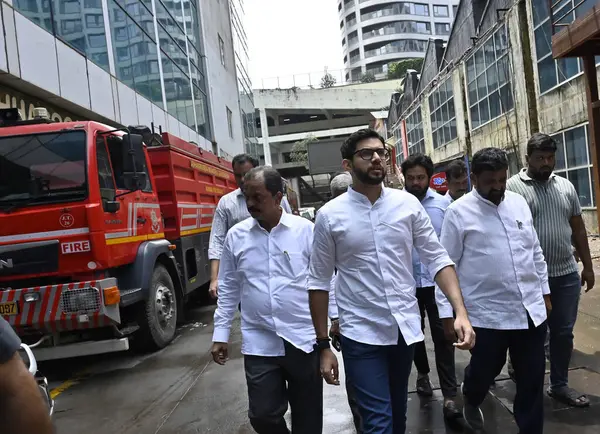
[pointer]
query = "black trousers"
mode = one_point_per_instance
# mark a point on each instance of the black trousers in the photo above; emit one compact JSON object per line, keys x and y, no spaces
{"x":273,"y":382}
{"x":526,"y":349}
{"x":444,"y":350}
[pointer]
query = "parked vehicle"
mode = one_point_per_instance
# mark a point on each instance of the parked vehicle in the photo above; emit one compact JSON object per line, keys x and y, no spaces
{"x":102,"y":238}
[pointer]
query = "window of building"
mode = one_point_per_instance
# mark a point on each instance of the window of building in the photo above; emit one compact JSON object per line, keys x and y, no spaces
{"x":573,"y":162}
{"x":414,"y":132}
{"x":489,"y":80}
{"x":222,"y":50}
{"x":420,"y":9}
{"x":442,"y":29}
{"x":230,"y":122}
{"x":443,"y":116}
{"x":94,"y":20}
{"x":552,"y":72}
{"x":440,"y":11}
{"x":399,"y":146}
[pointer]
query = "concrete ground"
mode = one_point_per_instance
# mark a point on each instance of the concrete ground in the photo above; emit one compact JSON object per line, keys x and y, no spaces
{"x":179,"y":390}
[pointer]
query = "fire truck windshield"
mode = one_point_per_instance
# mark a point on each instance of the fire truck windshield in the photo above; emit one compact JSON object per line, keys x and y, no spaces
{"x":42,"y":168}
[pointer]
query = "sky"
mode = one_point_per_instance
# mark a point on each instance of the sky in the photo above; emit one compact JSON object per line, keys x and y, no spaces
{"x":288,"y":37}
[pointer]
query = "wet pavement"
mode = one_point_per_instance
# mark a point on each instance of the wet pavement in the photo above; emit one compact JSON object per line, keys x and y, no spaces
{"x":179,"y":390}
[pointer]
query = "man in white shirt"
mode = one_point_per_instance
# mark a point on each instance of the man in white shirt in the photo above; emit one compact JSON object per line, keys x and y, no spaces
{"x":264,"y":266}
{"x":418,"y":170}
{"x":368,"y":235}
{"x":230,"y":210}
{"x":457,"y":179}
{"x":489,"y":235}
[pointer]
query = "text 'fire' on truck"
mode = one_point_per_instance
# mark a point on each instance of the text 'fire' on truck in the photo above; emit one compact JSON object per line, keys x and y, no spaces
{"x":102,"y":238}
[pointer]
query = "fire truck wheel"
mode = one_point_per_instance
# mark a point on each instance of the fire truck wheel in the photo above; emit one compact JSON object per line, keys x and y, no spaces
{"x":158,"y":315}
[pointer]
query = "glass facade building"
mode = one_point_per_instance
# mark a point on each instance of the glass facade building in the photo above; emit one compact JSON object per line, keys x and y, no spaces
{"x":152,"y":46}
{"x":246,"y":98}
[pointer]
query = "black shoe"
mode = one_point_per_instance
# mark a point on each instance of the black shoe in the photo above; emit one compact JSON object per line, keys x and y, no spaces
{"x":424,"y":386}
{"x":451,"y":411}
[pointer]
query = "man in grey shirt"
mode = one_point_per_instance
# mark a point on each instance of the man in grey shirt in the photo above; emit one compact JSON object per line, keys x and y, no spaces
{"x":231,"y":210}
{"x":556,"y":211}
{"x":21,"y":404}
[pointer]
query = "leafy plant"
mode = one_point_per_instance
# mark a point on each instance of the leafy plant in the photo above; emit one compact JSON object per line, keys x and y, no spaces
{"x":299,"y":153}
{"x":397,"y":70}
{"x":369,"y":77}
{"x":327,"y":80}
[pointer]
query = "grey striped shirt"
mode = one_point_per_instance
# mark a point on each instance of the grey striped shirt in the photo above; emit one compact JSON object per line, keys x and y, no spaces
{"x":552,"y":204}
{"x":231,"y":210}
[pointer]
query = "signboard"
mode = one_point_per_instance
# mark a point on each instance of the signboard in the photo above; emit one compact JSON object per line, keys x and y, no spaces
{"x":438,"y":182}
{"x":324,"y":156}
{"x":11,"y":98}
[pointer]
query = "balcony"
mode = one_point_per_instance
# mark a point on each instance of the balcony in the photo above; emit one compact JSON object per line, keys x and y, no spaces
{"x":404,"y":46}
{"x":578,"y":38}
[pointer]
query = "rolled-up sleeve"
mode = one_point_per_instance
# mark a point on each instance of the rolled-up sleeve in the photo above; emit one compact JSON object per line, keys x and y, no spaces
{"x":426,"y":242}
{"x":333,"y":309}
{"x":451,"y":239}
{"x":218,"y":231}
{"x":322,"y":258}
{"x":229,"y":293}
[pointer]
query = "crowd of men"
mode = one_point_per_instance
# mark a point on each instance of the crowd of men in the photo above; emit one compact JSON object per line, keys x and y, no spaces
{"x":492,"y":269}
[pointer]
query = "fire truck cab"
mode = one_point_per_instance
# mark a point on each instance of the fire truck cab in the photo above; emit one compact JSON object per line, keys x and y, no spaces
{"x":102,"y":237}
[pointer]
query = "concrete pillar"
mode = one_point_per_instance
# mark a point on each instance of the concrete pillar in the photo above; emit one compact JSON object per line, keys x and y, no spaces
{"x":296,"y":187}
{"x":264,"y":128}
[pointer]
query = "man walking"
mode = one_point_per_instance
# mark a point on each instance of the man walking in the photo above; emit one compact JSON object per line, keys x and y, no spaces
{"x":339,"y":185}
{"x":457,"y":179}
{"x":489,"y":234}
{"x":557,"y":219}
{"x":368,"y":235}
{"x":265,"y":265}
{"x":231,"y":210}
{"x":418,"y":170}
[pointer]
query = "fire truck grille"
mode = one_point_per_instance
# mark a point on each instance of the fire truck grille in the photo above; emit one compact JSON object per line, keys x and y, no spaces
{"x":82,"y":300}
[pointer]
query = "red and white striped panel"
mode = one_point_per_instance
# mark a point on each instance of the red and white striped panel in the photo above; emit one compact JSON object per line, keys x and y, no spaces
{"x":46,"y":313}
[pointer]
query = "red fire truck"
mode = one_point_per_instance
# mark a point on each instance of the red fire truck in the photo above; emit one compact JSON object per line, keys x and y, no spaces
{"x":102,"y":238}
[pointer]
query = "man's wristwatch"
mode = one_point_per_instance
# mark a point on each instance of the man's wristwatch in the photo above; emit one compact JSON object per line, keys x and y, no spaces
{"x":322,"y":344}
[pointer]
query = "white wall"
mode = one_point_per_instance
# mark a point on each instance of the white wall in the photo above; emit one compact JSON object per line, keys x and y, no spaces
{"x":222,"y":81}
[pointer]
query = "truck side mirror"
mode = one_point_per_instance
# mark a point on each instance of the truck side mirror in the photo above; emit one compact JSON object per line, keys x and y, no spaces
{"x":133,"y":153}
{"x":134,"y":175}
{"x":111,"y":206}
{"x":134,"y":181}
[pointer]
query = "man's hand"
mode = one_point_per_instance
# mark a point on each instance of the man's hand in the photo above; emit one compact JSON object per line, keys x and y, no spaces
{"x":588,"y":278}
{"x":548,"y":303}
{"x":213,"y":288}
{"x":448,"y":326}
{"x":334,"y":330}
{"x":219,"y":352}
{"x":465,"y":333}
{"x":329,"y":367}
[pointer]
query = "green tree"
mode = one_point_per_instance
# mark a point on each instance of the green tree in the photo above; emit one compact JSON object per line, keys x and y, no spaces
{"x":299,"y":152}
{"x":327,"y":80}
{"x":397,"y":70}
{"x":369,"y":77}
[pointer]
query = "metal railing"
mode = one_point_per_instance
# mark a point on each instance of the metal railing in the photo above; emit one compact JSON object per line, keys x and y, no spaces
{"x":309,"y":80}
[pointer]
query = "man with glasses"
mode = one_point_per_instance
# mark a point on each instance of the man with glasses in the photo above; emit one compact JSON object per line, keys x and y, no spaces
{"x":368,"y":235}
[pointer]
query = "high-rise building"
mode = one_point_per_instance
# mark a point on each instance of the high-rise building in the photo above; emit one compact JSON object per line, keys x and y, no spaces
{"x":121,"y":62}
{"x":378,"y":32}
{"x":246,"y":98}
